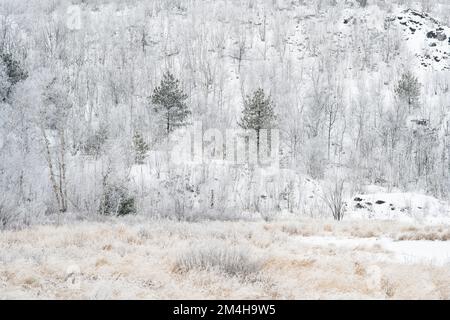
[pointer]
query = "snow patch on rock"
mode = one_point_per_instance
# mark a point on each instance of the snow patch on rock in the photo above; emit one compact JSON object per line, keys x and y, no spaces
{"x":406,"y":207}
{"x":427,"y":38}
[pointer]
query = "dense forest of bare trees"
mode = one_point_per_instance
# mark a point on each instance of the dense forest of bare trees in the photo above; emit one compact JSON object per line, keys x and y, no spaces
{"x":91,"y":92}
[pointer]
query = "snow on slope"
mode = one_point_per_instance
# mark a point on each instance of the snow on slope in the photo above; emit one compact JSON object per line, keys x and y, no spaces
{"x":428,"y":38}
{"x":220,"y":184}
{"x":399,"y":206}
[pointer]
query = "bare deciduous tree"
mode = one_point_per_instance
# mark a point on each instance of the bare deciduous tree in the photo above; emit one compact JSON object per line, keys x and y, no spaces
{"x":333,"y":197}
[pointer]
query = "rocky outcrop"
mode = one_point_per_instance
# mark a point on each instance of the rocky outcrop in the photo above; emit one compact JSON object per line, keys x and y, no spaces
{"x":422,"y":28}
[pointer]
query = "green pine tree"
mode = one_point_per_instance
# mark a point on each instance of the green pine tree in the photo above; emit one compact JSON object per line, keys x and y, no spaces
{"x":11,"y":73}
{"x":258,"y":114}
{"x":169,"y":100}
{"x":408,"y":90}
{"x":140,"y":148}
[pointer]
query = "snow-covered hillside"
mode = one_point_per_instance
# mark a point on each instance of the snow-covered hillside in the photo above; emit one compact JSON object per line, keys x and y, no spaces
{"x":358,"y":92}
{"x":426,"y":36}
{"x":400,"y":207}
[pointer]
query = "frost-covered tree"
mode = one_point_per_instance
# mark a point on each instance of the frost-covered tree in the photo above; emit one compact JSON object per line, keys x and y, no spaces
{"x":408,"y":90}
{"x":362,"y":3}
{"x":4,"y":83}
{"x":170,"y":101}
{"x":333,"y":197}
{"x":258,"y":114}
{"x":332,"y":109}
{"x":53,"y":123}
{"x":140,"y":148}
{"x":11,"y":72}
{"x":95,"y":143}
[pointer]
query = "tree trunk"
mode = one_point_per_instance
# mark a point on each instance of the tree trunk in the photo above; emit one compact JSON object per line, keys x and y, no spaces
{"x":50,"y":167}
{"x":58,"y":185}
{"x":329,"y":136}
{"x":168,"y":123}
{"x":257,"y":145}
{"x":63,"y":186}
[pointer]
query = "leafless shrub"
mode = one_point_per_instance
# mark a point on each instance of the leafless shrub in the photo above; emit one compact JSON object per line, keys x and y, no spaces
{"x":362,"y":3}
{"x":388,"y":287}
{"x":267,"y":216}
{"x":6,"y":217}
{"x":144,"y":234}
{"x":296,"y":230}
{"x":424,"y":235}
{"x":360,"y":270}
{"x":334,"y":199}
{"x":363,"y":233}
{"x":426,"y":5}
{"x":231,"y":261}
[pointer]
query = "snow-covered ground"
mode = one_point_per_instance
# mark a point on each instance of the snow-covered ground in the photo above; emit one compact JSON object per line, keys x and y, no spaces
{"x":399,"y":206}
{"x":421,"y":251}
{"x":285,"y":258}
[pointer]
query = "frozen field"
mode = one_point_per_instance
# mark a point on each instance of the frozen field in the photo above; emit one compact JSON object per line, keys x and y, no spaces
{"x":281,"y":259}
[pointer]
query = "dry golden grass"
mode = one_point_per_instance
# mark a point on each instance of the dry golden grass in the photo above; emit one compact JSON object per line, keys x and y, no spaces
{"x":359,"y":269}
{"x":137,"y":259}
{"x":101,"y":262}
{"x":364,"y":229}
{"x":430,"y":235}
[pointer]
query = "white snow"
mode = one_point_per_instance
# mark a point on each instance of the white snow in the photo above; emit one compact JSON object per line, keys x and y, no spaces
{"x":422,"y":251}
{"x":399,"y":206}
{"x":427,"y":38}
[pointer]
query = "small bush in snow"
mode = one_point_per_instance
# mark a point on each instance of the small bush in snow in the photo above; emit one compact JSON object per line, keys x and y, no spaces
{"x":117,"y":201}
{"x":6,"y":217}
{"x":231,"y":261}
{"x":362,"y":3}
{"x":94,"y":143}
{"x":334,"y":199}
